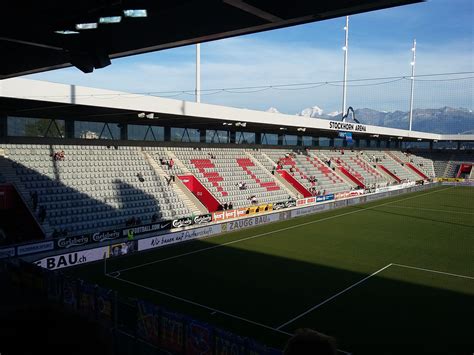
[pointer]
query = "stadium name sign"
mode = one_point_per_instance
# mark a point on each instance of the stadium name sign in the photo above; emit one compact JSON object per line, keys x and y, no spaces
{"x":347,"y":126}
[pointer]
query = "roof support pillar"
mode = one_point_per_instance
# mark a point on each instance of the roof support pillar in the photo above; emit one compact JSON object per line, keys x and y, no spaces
{"x":315,"y":141}
{"x":202,"y":135}
{"x":69,"y":126}
{"x":232,"y":137}
{"x":258,"y":138}
{"x":281,"y":138}
{"x":167,"y":134}
{"x":299,"y":141}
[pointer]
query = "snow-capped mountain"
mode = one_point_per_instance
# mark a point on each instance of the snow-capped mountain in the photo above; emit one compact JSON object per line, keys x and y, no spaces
{"x":314,"y":111}
{"x":444,"y":120}
{"x":273,"y":110}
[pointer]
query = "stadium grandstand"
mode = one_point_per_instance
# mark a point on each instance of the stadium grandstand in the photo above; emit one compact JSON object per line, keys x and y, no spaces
{"x":178,"y":227}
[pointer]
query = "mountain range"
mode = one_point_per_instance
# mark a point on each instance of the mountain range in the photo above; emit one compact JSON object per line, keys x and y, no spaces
{"x":445,"y":120}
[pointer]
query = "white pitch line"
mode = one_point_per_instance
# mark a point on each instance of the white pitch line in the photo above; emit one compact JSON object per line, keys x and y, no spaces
{"x":332,"y":297}
{"x":201,"y":305}
{"x":434,"y":271}
{"x":277,"y":230}
{"x":434,"y":210}
{"x":214,"y":310}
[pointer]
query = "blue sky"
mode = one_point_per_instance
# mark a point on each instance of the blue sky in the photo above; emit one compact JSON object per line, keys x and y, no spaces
{"x":379,"y":46}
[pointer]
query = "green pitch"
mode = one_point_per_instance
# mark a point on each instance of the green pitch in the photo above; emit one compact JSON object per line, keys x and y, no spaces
{"x":395,"y":276}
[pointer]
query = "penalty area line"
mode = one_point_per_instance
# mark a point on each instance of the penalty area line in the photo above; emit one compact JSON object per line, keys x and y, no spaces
{"x":213,"y":310}
{"x":332,"y":297}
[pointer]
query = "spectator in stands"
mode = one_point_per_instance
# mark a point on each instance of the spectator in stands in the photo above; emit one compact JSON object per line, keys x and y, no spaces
{"x":61,"y":155}
{"x":230,"y":206}
{"x":140,"y":177}
{"x":253,"y":199}
{"x":42,"y":214}
{"x":273,"y":171}
{"x":34,"y":199}
{"x":171,"y":178}
{"x":162,"y":161}
{"x":138,"y":221}
{"x":171,"y":163}
{"x":310,"y":342}
{"x":226,"y":206}
{"x":154,"y":218}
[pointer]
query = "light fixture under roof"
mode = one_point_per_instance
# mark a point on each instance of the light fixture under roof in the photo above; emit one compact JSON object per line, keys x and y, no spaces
{"x":110,"y":19}
{"x":135,"y":13}
{"x":86,"y":26}
{"x":66,"y":32}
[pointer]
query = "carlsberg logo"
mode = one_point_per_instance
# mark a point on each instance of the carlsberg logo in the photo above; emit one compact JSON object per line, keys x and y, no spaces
{"x":72,"y":242}
{"x":202,"y":219}
{"x":101,"y":236}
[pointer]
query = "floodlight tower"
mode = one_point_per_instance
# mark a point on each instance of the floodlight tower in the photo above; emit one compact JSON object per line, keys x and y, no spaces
{"x":413,"y":64}
{"x":198,"y":73}
{"x":346,"y":50}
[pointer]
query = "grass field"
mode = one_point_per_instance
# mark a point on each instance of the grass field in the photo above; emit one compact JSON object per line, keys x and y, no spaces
{"x":395,"y":276}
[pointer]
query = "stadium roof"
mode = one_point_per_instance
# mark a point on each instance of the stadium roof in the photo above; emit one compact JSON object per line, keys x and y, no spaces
{"x":29,"y":42}
{"x":33,"y":98}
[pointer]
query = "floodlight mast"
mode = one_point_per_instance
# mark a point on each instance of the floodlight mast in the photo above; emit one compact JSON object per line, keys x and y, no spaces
{"x":412,"y":91}
{"x":346,"y":52}
{"x":198,"y":73}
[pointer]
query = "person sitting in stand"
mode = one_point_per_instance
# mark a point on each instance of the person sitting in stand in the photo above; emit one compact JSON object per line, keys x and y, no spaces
{"x":171,"y":163}
{"x":253,"y":199}
{"x":230,"y":206}
{"x":154,"y":218}
{"x":140,"y":177}
{"x":226,"y":206}
{"x":138,"y":221}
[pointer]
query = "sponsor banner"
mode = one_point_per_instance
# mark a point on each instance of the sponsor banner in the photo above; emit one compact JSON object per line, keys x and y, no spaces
{"x":229,"y":214}
{"x":449,"y":179}
{"x":252,"y":210}
{"x":105,"y":300}
{"x":72,"y":259}
{"x":177,"y":237}
{"x":86,"y":299}
{"x":69,"y":242}
{"x":172,"y":331}
{"x":34,"y":248}
{"x":285,"y":215}
{"x":310,"y":209}
{"x":7,"y":252}
{"x":122,"y":248}
{"x":148,"y":322}
{"x":329,"y":197}
{"x":148,"y":228}
{"x":306,"y":201}
{"x":182,"y":222}
{"x":105,"y":236}
{"x":290,"y":203}
{"x":249,"y":222}
{"x":340,"y":203}
{"x":70,"y":293}
{"x":199,"y":339}
{"x":279,"y":206}
{"x":353,"y":201}
{"x":255,"y":348}
{"x":347,"y":126}
{"x":202,"y":219}
{"x":464,"y":183}
{"x":228,"y":343}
